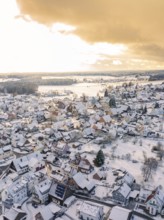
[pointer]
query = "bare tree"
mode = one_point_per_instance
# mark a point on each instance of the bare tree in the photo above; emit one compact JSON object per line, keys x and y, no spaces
{"x":161,"y":154}
{"x":84,"y":97}
{"x":150,"y":166}
{"x":160,"y":150}
{"x":140,"y":142}
{"x":113,"y":149}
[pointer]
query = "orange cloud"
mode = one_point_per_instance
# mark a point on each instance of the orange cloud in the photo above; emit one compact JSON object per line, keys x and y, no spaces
{"x":138,"y":24}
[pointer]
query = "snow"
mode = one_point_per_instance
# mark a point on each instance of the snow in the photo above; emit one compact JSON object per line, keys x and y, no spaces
{"x":74,"y":208}
{"x":101,"y":191}
{"x":89,"y":209}
{"x":122,"y":149}
{"x":125,"y":190}
{"x":117,"y":212}
{"x":81,"y":181}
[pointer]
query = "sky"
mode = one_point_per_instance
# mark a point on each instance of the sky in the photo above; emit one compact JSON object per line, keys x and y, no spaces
{"x":81,"y":35}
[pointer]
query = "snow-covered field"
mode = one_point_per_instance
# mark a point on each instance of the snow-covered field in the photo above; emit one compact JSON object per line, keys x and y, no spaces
{"x":90,"y":89}
{"x":127,"y":155}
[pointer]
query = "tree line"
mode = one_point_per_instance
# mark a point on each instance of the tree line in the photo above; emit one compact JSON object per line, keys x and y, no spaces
{"x":30,"y":86}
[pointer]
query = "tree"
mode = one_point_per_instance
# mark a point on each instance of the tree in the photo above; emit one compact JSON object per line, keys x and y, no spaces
{"x":106,"y":93}
{"x":160,"y":150}
{"x":100,"y":158}
{"x":144,"y":111}
{"x":112,"y":102}
{"x":130,"y":84}
{"x":156,"y":105}
{"x":149,"y":166}
{"x":129,"y":109}
{"x":84,"y":97}
{"x":140,"y":142}
{"x":161,"y":154}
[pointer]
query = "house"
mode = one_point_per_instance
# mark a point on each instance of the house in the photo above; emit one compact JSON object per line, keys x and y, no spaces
{"x":59,"y":176}
{"x":100,"y":175}
{"x":6,"y":152}
{"x":49,"y":212}
{"x":69,"y":201}
{"x":127,"y":178}
{"x":59,"y":193}
{"x":144,"y":193}
{"x":15,"y":214}
{"x":20,"y":165}
{"x":79,"y":182}
{"x":106,"y":119}
{"x":88,"y":133}
{"x":155,"y":201}
{"x":31,"y":179}
{"x":120,"y":193}
{"x":24,"y":164}
{"x":35,"y":164}
{"x":4,"y":183}
{"x":58,"y":135}
{"x":61,"y":149}
{"x":85,"y":166}
{"x":40,"y":116}
{"x":90,"y":211}
{"x":15,"y":193}
{"x":119,"y":213}
{"x":41,"y":191}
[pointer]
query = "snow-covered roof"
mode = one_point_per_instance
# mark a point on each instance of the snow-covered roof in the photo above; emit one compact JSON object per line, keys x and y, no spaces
{"x":13,"y":214}
{"x":69,"y":200}
{"x":7,"y":148}
{"x":124,"y":190}
{"x":46,"y":213}
{"x":90,"y":209}
{"x":21,"y":162}
{"x":81,"y":181}
{"x":118,"y":213}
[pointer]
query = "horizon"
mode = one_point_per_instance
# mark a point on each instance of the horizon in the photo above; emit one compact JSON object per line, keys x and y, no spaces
{"x":153,"y":71}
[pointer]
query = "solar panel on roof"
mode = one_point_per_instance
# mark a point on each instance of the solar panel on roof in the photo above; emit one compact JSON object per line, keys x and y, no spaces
{"x":60,"y":186}
{"x":60,"y":189}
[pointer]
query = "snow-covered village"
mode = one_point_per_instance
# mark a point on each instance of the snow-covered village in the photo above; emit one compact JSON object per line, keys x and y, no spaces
{"x":97,"y":157}
{"x":81,"y":110}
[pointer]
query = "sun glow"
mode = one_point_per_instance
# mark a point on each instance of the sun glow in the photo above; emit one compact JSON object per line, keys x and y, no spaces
{"x":28,"y":46}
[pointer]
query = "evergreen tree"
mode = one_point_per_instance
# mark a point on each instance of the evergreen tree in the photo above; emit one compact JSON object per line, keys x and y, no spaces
{"x":156,"y":105}
{"x":144,"y":111}
{"x":99,"y":160}
{"x":128,"y":109}
{"x":106,"y":93}
{"x":112,"y":103}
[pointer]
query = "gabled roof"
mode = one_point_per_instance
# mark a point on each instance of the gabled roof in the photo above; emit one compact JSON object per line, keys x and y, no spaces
{"x":85,"y":164}
{"x":15,"y":214}
{"x":124,"y":190}
{"x":81,"y":181}
{"x":24,"y":161}
{"x":158,"y":195}
{"x":43,"y":187}
{"x":45,"y":213}
{"x":118,"y":213}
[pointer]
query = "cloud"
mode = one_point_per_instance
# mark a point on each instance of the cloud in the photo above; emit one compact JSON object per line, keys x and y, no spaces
{"x":149,"y":51}
{"x":120,"y":21}
{"x":138,"y":24}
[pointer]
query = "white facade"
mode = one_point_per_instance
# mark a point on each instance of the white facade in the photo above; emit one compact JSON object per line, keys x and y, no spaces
{"x":89,"y":211}
{"x":17,"y":191}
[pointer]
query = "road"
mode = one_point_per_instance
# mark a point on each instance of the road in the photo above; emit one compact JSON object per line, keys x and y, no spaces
{"x":25,"y":207}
